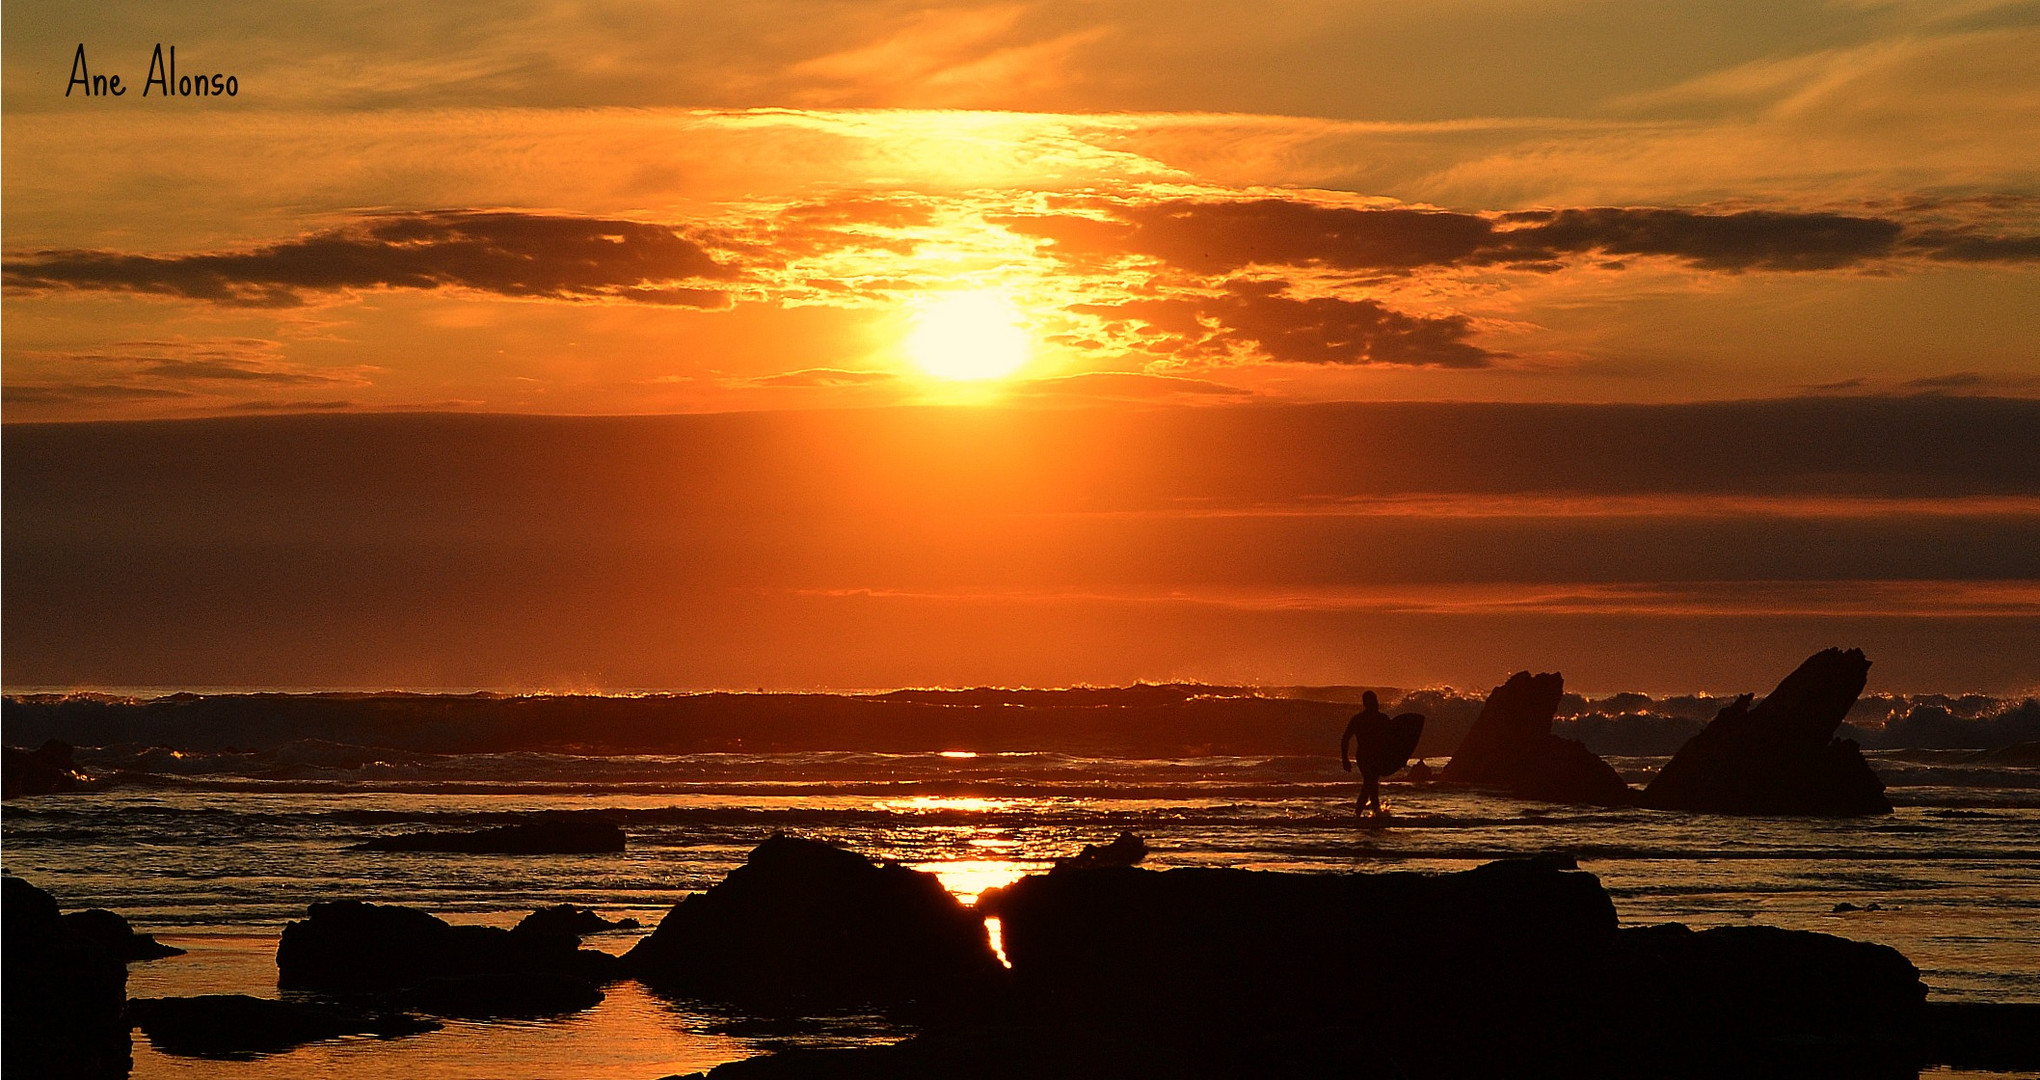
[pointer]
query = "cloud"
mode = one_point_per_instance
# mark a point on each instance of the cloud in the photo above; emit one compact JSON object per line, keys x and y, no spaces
{"x":1219,"y":236}
{"x":76,"y":393}
{"x":1258,"y":318}
{"x":291,"y":406}
{"x":505,"y":253}
{"x":1970,"y":246}
{"x":1128,"y":386}
{"x":807,"y":377}
{"x":1958,"y":380}
{"x":1733,"y":242}
{"x":183,"y":360}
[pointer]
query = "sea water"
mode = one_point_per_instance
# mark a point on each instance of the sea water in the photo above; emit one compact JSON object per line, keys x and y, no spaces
{"x":215,"y":857}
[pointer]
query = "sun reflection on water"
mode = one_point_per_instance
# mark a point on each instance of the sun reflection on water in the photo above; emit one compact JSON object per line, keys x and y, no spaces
{"x":967,"y":879}
{"x":928,"y":804}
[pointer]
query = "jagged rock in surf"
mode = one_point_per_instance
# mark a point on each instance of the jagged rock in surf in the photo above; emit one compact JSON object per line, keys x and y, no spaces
{"x":1780,"y":757}
{"x":1511,"y":746}
{"x":348,"y":946}
{"x":808,"y":924}
{"x":236,"y":1025}
{"x":46,"y":770}
{"x":113,"y":934}
{"x":1125,"y":849}
{"x":569,"y":919}
{"x":65,"y":997}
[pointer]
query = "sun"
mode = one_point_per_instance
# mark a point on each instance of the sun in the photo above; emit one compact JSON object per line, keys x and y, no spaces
{"x":968,"y":336}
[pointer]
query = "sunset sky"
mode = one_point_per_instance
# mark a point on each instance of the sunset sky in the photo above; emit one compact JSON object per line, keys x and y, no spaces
{"x":1023,"y":342}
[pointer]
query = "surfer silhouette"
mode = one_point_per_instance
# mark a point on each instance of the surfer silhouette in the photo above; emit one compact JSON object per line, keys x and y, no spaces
{"x":1380,"y":745}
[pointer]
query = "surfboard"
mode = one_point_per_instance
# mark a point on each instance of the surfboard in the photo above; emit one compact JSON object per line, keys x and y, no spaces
{"x":1386,"y":746}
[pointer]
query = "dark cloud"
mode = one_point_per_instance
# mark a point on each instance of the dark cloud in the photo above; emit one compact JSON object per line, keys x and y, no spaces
{"x":502,"y":252}
{"x":1960,"y":245}
{"x":1746,"y":240}
{"x":1217,"y":237}
{"x":1259,"y":317}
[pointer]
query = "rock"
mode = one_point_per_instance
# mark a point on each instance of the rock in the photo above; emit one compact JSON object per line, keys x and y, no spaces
{"x":63,"y":996}
{"x":1511,"y":746}
{"x":490,"y":997}
{"x":348,"y":946}
{"x":112,"y":933}
{"x":239,"y":1026}
{"x":1737,"y":1000}
{"x":1993,"y":1036}
{"x":554,"y":837}
{"x":804,"y":924}
{"x":1125,"y":849}
{"x":1780,"y":757}
{"x":1514,"y":968}
{"x":1238,"y":954}
{"x":47,"y":770}
{"x":570,"y":920}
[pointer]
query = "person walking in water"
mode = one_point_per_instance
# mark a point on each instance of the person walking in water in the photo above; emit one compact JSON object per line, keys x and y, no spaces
{"x":1363,"y":735}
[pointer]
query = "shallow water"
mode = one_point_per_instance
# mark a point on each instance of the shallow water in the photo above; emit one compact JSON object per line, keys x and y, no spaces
{"x":216,"y":860}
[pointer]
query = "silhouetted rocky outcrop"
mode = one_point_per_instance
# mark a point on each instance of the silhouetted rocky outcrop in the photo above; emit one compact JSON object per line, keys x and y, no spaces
{"x":1511,"y":746}
{"x":63,"y":996}
{"x":46,"y":770}
{"x":1125,"y":849}
{"x":569,"y":919}
{"x":1515,"y":968}
{"x":1251,"y":952}
{"x":1751,"y":999}
{"x":1780,"y":757}
{"x":236,"y":1025}
{"x":556,"y":836}
{"x":346,"y":946}
{"x":113,"y":934}
{"x":1994,"y":1036}
{"x":804,"y":923}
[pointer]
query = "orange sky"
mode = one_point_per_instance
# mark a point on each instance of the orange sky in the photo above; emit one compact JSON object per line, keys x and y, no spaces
{"x":1219,"y":209}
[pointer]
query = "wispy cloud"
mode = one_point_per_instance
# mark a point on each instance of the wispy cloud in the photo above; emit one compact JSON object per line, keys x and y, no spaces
{"x":2016,"y":599}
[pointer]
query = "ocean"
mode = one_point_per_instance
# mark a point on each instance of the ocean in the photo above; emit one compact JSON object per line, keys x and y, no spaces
{"x":218,"y":850}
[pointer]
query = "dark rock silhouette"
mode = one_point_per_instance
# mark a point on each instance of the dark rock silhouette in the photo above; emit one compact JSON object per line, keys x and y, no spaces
{"x":557,"y":836}
{"x":346,"y":946}
{"x":1750,"y":997}
{"x":569,"y":919}
{"x":63,"y":996}
{"x":804,"y":923}
{"x":46,"y":770}
{"x":1780,"y":757}
{"x":1125,"y":849}
{"x":112,"y":933}
{"x":1993,"y":1036}
{"x":239,"y":1026}
{"x":1514,"y":968}
{"x":1511,"y":746}
{"x":1248,"y":951}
